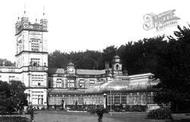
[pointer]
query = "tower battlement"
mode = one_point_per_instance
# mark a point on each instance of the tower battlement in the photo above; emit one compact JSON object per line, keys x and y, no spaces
{"x":25,"y":24}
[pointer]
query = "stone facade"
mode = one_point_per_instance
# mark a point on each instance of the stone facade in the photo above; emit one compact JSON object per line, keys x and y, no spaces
{"x":69,"y":86}
{"x":31,"y":60}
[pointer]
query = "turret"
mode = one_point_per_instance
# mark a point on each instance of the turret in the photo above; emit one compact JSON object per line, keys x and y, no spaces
{"x":44,"y":21}
{"x":70,"y":68}
{"x":116,"y":66}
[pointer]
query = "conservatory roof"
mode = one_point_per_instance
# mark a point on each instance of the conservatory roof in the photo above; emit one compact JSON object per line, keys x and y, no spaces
{"x":126,"y":83}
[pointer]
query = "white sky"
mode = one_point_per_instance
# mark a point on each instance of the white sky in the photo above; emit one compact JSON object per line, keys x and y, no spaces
{"x":77,"y":25}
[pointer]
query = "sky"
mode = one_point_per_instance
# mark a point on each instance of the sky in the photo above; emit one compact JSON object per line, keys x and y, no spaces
{"x":78,"y":25}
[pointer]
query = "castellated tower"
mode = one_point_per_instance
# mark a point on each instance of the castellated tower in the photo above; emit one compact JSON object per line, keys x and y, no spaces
{"x":32,"y":58}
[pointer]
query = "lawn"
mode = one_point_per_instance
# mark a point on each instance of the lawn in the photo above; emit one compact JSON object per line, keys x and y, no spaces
{"x":61,"y":116}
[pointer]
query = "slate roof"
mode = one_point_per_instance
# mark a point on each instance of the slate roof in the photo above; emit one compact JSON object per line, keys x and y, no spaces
{"x":56,"y":71}
{"x":66,"y":91}
{"x":90,"y":72}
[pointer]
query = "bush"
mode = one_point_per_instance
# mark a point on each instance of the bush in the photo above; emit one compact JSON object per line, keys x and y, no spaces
{"x":106,"y":110}
{"x":91,"y":110}
{"x":138,"y":108}
{"x":94,"y":110}
{"x":161,"y":113}
{"x":14,"y":119}
{"x":135,"y":108}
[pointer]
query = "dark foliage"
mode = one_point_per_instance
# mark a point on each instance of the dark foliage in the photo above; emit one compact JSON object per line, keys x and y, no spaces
{"x":161,"y":113}
{"x":85,"y":60}
{"x":12,"y":97}
{"x":14,"y":119}
{"x":174,"y":71}
{"x":91,"y":110}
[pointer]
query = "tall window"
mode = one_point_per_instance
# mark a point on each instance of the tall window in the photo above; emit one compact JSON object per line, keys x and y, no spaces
{"x":70,"y":83}
{"x":123,"y":99}
{"x":35,"y":44}
{"x":110,"y":99}
{"x":58,"y":83}
{"x":35,"y":61}
{"x":37,"y":97}
{"x":11,"y":78}
{"x":40,"y":99}
{"x":81,"y":83}
{"x":37,"y":80}
{"x":150,"y":98}
{"x":116,"y":99}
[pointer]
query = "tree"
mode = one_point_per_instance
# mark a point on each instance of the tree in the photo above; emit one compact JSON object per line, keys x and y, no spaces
{"x":141,"y":56}
{"x":58,"y":59}
{"x":18,"y":97}
{"x":109,"y":53}
{"x":174,"y":71}
{"x":4,"y":95}
{"x":84,"y":60}
{"x":12,"y":96}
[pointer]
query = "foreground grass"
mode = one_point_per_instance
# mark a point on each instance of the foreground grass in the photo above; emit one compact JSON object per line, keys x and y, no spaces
{"x":14,"y":119}
{"x":61,"y":116}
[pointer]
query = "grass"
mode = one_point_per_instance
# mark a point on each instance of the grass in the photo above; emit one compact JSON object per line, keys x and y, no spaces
{"x":62,"y":116}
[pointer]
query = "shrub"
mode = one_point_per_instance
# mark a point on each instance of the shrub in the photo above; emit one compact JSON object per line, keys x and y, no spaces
{"x":14,"y":119}
{"x":135,"y":108}
{"x":161,"y":113}
{"x":43,"y":108}
{"x":91,"y":110}
{"x":138,"y":108}
{"x":94,"y":110}
{"x":106,"y":110}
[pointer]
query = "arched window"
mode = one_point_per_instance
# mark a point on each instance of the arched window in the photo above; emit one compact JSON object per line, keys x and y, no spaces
{"x":117,"y":66}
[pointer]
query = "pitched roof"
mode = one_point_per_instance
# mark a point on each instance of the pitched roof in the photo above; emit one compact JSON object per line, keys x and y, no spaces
{"x":66,"y":91}
{"x":90,"y":72}
{"x":56,"y":71}
{"x":70,"y":64}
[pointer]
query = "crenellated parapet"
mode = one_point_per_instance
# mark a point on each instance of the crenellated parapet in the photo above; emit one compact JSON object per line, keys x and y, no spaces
{"x":25,"y":24}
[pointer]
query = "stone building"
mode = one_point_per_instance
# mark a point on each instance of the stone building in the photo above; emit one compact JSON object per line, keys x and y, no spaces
{"x":62,"y":87}
{"x":108,"y":87}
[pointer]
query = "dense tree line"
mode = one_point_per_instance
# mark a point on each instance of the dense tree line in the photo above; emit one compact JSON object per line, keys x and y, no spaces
{"x":137,"y":57}
{"x":168,"y":59}
{"x":85,"y":60}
